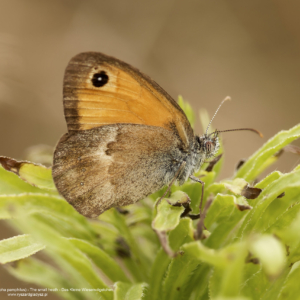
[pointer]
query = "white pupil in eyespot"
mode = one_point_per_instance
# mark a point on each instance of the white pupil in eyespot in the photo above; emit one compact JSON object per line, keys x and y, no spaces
{"x":99,"y":78}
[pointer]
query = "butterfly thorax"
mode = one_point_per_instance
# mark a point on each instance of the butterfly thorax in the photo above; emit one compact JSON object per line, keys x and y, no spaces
{"x":201,"y":149}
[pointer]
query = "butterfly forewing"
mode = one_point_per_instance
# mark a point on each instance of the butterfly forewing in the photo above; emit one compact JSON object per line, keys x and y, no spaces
{"x":100,"y":90}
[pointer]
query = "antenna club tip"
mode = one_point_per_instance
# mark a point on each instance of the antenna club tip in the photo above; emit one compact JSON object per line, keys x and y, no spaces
{"x":258,"y":132}
{"x":228,"y":98}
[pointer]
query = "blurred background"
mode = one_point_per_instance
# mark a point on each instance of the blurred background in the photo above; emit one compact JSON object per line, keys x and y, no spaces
{"x":203,"y":50}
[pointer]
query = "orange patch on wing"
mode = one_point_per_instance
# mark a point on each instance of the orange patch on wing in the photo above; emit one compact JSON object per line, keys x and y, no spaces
{"x":127,"y":97}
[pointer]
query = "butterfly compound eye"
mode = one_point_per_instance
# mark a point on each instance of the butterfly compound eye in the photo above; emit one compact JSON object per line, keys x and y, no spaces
{"x":100,"y":79}
{"x":209,"y":146}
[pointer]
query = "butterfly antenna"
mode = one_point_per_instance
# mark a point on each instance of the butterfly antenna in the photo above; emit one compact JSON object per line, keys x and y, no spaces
{"x":240,"y":129}
{"x":227,"y":98}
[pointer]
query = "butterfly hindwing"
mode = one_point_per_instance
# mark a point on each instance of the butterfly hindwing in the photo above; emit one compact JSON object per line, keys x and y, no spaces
{"x":113,"y":165}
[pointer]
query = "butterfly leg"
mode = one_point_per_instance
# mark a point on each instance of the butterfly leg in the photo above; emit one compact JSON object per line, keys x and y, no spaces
{"x":202,"y":193}
{"x":171,"y":183}
{"x":162,"y":235}
{"x":200,"y":224}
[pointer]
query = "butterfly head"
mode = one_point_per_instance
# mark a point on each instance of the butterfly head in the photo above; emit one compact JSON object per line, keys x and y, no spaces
{"x":211,"y":144}
{"x":208,"y":144}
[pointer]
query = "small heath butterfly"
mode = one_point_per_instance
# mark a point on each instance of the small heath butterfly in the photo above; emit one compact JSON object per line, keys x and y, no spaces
{"x":127,"y":137}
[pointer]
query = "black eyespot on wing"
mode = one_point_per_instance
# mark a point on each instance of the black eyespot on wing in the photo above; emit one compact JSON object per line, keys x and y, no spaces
{"x":99,"y":79}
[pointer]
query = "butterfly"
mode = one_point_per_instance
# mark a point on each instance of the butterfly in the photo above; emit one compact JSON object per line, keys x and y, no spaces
{"x":127,"y":138}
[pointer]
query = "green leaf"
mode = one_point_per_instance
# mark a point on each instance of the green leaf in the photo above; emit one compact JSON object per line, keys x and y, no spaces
{"x":222,"y":219}
{"x":297,"y":168}
{"x":283,"y":222}
{"x":177,"y":277}
{"x":280,"y":211}
{"x":181,"y":234}
{"x":157,"y":273}
{"x":290,"y":235}
{"x":220,"y":208}
{"x":52,"y":206}
{"x":273,"y":289}
{"x":194,"y":189}
{"x":126,"y":291}
{"x":37,"y":272}
{"x":108,"y":235}
{"x":270,"y":253}
{"x":34,"y":174}
{"x":10,"y":183}
{"x":18,"y":247}
{"x":181,"y":268}
{"x":231,"y":298}
{"x":235,"y":187}
{"x":168,"y":216}
{"x":197,"y":250}
{"x":198,"y":283}
{"x":147,"y":237}
{"x":140,"y":212}
{"x":37,"y":175}
{"x":291,"y":287}
{"x":254,"y":165}
{"x":232,"y":276}
{"x":186,"y":107}
{"x":62,"y":248}
{"x":103,"y":261}
{"x":254,"y":277}
{"x":288,"y":183}
{"x":268,"y":179}
{"x":138,"y":263}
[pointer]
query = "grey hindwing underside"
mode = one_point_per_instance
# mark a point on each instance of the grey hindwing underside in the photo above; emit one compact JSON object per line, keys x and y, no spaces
{"x":114,"y":165}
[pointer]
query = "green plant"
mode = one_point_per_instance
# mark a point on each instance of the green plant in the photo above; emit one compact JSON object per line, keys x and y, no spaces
{"x":249,"y":249}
